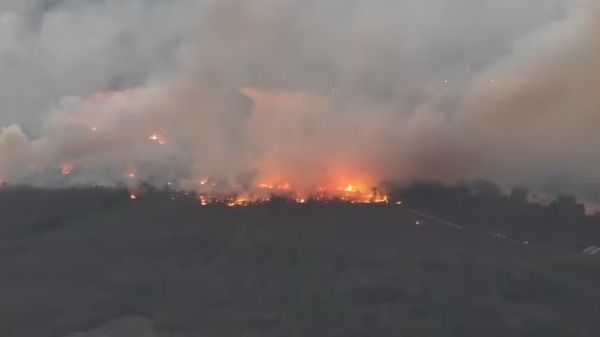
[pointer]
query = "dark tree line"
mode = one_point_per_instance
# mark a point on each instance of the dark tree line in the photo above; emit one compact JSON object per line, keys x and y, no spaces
{"x":479,"y":206}
{"x":482,"y":205}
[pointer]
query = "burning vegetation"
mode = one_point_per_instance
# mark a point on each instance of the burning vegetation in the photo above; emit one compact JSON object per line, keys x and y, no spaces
{"x":66,"y":169}
{"x":212,"y":192}
{"x":287,"y":174}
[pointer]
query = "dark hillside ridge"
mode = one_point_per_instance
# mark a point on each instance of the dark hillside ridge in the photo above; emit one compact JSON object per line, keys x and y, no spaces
{"x":75,"y":259}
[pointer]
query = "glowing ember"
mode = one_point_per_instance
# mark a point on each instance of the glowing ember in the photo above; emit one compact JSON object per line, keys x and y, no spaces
{"x":158,"y":139}
{"x":133,"y":196}
{"x":130,"y":173}
{"x":66,"y":169}
{"x":265,"y":191}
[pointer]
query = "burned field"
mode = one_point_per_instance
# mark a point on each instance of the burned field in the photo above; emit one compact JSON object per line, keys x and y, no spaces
{"x":72,"y":260}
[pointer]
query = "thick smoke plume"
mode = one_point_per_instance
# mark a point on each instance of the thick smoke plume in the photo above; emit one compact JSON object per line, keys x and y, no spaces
{"x":532,"y":116}
{"x":312,"y":92}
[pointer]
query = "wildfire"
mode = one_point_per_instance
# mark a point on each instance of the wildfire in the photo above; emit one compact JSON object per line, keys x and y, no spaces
{"x":203,"y":201}
{"x":160,"y":140}
{"x":208,"y":193}
{"x":134,"y":193}
{"x":338,"y":177}
{"x":350,"y":189}
{"x":276,"y":186}
{"x":131,"y":173}
{"x":265,"y":191}
{"x":66,"y":169}
{"x":240,"y":202}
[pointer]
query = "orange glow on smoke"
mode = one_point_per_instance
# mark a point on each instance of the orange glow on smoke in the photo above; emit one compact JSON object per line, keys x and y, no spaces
{"x":160,"y":140}
{"x":336,"y":183}
{"x":66,"y":169}
{"x":131,"y":173}
{"x":356,"y":192}
{"x":331,"y":163}
{"x":350,"y":188}
{"x":134,"y":193}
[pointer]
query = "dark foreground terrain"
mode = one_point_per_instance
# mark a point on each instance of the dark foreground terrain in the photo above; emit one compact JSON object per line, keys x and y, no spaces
{"x":77,"y":260}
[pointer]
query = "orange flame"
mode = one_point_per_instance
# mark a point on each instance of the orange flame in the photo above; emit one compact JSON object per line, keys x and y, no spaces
{"x":66,"y":169}
{"x":350,"y":188}
{"x":355,"y":192}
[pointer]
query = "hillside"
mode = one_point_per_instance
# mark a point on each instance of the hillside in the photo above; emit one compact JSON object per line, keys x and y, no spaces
{"x":73,"y":260}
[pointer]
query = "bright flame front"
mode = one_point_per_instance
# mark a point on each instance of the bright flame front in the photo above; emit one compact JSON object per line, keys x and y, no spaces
{"x":265,"y":191}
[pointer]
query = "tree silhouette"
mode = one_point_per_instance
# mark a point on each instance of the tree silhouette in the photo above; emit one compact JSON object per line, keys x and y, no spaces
{"x":519,"y":194}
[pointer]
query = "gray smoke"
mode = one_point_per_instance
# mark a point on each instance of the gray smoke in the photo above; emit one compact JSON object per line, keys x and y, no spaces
{"x":301,"y":90}
{"x":532,"y":115}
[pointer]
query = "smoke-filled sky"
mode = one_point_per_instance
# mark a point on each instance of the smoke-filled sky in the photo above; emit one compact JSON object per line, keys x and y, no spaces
{"x":303,"y":90}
